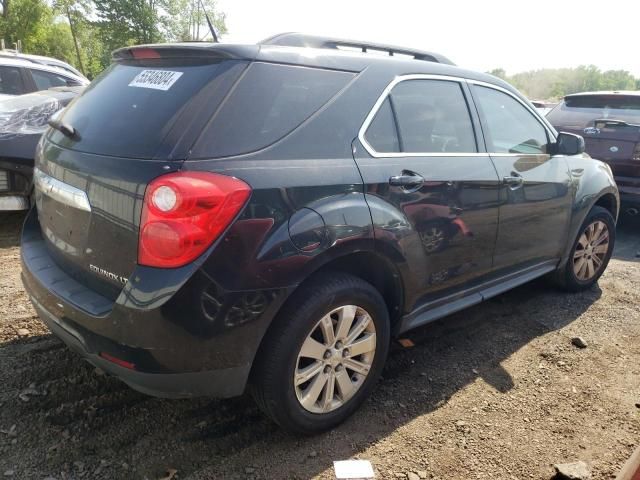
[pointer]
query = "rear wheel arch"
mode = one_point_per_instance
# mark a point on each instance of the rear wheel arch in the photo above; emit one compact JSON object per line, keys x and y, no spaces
{"x":609,"y":202}
{"x":369,"y":266}
{"x":374,"y":269}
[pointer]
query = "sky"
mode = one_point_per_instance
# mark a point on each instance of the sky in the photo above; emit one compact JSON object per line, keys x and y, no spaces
{"x":480,"y":35}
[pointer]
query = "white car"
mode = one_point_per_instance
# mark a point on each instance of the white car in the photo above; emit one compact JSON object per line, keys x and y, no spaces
{"x":19,"y":76}
{"x":52,"y":62}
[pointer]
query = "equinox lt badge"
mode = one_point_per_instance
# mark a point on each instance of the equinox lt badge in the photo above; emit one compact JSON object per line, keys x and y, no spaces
{"x":108,"y":274}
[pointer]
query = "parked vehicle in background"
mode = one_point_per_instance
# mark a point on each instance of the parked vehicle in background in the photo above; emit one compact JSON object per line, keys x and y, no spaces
{"x":212,"y":217}
{"x":610,"y":125}
{"x":23,"y":119}
{"x":18,"y":76}
{"x":542,"y":106}
{"x":41,"y":60}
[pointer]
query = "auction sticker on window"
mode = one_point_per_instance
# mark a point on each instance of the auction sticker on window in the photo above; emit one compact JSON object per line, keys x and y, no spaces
{"x":156,"y":79}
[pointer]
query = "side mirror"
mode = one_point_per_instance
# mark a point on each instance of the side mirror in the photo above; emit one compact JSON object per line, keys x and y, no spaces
{"x":569,"y":144}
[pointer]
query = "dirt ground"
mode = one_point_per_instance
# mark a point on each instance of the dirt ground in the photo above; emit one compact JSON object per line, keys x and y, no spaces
{"x":497,"y":391}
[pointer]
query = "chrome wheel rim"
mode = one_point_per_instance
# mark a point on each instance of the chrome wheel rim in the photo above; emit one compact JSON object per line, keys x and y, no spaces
{"x":591,"y":251}
{"x":335,"y":359}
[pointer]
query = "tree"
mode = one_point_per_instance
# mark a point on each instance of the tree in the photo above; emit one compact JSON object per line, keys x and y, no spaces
{"x":24,"y":21}
{"x":556,"y":83}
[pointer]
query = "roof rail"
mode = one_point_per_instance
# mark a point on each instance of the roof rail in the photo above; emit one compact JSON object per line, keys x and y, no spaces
{"x":313,"y":41}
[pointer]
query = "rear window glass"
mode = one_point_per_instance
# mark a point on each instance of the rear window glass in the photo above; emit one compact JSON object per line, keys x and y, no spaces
{"x":581,"y":111}
{"x":604,"y":101}
{"x":269,"y":102}
{"x":130,"y":109}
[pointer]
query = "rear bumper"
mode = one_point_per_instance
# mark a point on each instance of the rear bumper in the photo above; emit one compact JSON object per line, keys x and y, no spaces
{"x":220,"y":383}
{"x":171,"y":345}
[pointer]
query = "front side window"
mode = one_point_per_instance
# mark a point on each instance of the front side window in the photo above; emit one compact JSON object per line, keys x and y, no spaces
{"x":431,"y":116}
{"x":511,"y":128}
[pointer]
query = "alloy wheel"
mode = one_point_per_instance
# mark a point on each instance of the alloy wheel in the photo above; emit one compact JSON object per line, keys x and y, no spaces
{"x":591,"y":250}
{"x":335,"y":359}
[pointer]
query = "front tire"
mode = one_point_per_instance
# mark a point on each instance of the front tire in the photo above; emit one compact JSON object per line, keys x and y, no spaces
{"x":323,"y":356}
{"x":590,"y":253}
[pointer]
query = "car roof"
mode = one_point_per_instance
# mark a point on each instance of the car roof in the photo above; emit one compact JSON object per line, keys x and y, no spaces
{"x":19,"y":62}
{"x":322,"y":53}
{"x":41,"y":59}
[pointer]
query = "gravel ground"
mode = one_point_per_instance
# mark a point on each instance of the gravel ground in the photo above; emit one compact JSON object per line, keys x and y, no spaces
{"x":497,"y":391}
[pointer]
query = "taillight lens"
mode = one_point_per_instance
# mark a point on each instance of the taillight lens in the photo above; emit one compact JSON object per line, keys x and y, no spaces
{"x":184,"y":213}
{"x":636,"y":152}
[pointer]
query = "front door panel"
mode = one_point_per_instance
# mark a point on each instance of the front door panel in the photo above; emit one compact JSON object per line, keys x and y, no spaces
{"x":535,"y":195}
{"x":534,"y":215}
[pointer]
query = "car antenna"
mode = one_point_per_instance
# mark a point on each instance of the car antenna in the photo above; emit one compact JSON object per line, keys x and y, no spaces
{"x":211,"y":29}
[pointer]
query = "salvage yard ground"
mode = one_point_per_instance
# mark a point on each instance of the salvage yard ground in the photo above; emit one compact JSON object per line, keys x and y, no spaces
{"x":497,"y":391}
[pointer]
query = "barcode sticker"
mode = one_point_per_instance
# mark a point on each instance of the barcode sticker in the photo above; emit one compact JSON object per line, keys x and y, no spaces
{"x":156,"y":79}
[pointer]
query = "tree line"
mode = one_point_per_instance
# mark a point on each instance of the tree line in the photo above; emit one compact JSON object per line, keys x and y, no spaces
{"x":555,"y":83}
{"x":85,"y":32}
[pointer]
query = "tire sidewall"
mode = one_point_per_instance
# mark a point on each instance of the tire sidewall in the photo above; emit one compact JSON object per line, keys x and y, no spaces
{"x":308,"y":317}
{"x":597,"y":213}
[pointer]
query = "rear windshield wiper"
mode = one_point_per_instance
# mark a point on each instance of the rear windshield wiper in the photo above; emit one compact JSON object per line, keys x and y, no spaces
{"x":610,"y":122}
{"x":66,"y":129}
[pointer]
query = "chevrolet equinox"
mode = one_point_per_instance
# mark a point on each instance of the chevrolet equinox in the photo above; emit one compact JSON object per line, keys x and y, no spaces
{"x":216,"y":218}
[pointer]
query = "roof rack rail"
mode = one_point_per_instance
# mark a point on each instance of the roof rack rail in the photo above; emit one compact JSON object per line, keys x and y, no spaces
{"x":313,"y":41}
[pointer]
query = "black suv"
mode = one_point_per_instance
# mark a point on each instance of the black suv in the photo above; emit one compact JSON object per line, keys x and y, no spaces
{"x":213,"y":218}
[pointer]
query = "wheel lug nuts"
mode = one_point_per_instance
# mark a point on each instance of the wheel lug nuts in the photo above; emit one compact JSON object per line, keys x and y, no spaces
{"x":345,"y":352}
{"x":339,"y":368}
{"x":338,"y":344}
{"x":327,"y":369}
{"x":327,"y":354}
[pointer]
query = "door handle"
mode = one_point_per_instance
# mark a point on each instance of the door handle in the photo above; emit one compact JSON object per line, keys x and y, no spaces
{"x":513,"y":181}
{"x":408,"y":180}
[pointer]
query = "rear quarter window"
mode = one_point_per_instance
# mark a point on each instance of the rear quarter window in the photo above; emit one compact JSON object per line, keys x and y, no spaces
{"x":268,"y":103}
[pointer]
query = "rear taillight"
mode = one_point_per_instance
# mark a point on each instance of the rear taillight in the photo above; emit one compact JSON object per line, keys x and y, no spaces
{"x":636,"y":152}
{"x":184,"y":213}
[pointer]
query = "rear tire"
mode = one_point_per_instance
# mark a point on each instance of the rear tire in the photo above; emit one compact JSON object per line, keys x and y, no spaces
{"x":590,"y":253}
{"x":305,"y":382}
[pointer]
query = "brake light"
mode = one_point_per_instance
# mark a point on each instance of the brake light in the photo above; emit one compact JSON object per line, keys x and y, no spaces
{"x":184,"y":213}
{"x":636,"y":152}
{"x":144,"y":53}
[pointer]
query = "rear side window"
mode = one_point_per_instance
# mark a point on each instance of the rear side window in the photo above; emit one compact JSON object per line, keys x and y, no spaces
{"x":46,"y":80}
{"x":11,"y":81}
{"x":511,"y":128}
{"x":269,"y":102}
{"x":129,"y":109}
{"x":431,"y":116}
